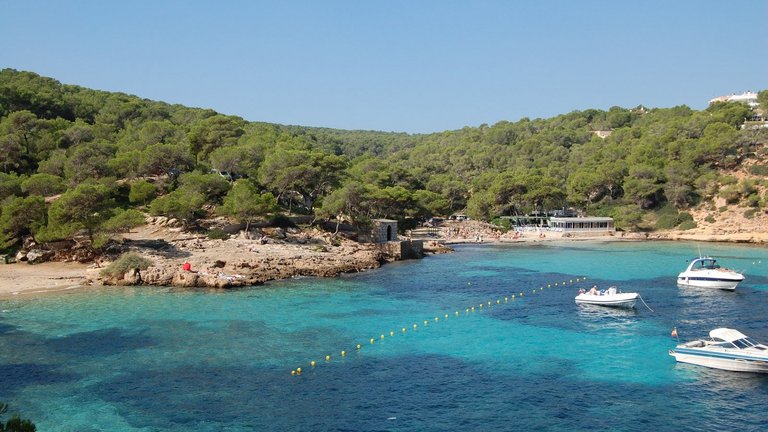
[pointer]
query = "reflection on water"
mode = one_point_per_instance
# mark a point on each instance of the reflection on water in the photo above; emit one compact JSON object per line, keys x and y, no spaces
{"x":602,"y":317}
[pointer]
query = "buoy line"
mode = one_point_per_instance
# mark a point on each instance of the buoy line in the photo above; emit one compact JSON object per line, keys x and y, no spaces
{"x":467,"y":311}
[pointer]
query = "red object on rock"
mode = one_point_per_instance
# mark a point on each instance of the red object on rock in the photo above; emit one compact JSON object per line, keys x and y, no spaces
{"x":187,"y":266}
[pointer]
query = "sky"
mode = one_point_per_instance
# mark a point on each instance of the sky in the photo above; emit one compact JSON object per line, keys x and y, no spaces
{"x":415,"y":66}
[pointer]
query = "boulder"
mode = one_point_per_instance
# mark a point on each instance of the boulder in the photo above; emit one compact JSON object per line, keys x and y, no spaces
{"x":131,"y":277}
{"x":185,"y":279}
{"x":38,"y":256}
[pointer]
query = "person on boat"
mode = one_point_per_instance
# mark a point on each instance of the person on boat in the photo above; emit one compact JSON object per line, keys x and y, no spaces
{"x":593,"y":290}
{"x":582,"y":291}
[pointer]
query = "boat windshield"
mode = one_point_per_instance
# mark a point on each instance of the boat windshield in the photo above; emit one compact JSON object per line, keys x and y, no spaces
{"x":742,"y":343}
{"x":708,"y":264}
{"x":752,"y":343}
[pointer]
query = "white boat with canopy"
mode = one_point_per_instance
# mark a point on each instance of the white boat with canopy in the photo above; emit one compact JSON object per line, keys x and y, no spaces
{"x":610,"y":297}
{"x":705,"y":272}
{"x":727,"y":349}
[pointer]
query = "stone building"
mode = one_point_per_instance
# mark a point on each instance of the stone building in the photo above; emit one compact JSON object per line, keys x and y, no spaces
{"x":384,"y":230}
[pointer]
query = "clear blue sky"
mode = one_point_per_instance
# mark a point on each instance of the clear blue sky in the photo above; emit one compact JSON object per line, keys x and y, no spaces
{"x":411,"y":65}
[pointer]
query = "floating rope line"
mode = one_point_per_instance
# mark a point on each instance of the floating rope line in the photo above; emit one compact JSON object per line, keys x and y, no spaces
{"x":468,"y":310}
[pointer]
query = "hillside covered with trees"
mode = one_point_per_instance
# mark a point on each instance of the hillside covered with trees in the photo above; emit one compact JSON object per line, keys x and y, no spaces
{"x":77,"y":163}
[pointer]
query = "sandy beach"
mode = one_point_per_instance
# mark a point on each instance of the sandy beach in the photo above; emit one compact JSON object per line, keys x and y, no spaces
{"x":25,"y":279}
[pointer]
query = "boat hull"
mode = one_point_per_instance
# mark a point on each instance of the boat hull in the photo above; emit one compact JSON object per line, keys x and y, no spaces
{"x":720,"y":361}
{"x":708,"y":282}
{"x":623,"y":300}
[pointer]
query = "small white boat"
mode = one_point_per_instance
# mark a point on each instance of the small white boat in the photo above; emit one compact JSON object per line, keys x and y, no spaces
{"x":610,"y":297}
{"x":728,"y":349}
{"x":704,"y":272}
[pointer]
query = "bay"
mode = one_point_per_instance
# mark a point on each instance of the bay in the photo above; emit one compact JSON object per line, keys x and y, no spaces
{"x":163,"y":359}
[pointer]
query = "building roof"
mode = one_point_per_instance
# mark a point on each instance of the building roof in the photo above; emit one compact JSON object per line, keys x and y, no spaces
{"x":581,"y":219}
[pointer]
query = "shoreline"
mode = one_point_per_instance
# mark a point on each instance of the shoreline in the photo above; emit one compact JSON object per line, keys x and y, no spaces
{"x":241,"y":262}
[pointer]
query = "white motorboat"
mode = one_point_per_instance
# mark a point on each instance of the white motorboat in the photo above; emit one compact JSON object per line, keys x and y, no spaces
{"x":704,"y":272}
{"x":728,"y":349}
{"x":610,"y":297}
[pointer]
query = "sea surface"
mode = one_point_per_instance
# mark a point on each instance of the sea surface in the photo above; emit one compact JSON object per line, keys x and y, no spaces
{"x":162,"y":359}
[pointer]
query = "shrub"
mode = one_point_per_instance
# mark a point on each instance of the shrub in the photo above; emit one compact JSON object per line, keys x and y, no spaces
{"x":142,"y":191}
{"x":753,"y":200}
{"x":761,"y":170}
{"x":504,"y":224}
{"x":666,"y":221}
{"x":684,"y":217}
{"x":44,"y":185}
{"x":217,"y":234}
{"x":127,"y":261}
{"x":749,"y":214}
{"x":731,"y":194}
{"x":15,"y":423}
{"x":722,"y":209}
{"x":687,"y":225}
{"x":710,"y":219}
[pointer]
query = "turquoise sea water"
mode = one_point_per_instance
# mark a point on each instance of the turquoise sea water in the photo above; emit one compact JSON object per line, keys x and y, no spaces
{"x":158,"y":359}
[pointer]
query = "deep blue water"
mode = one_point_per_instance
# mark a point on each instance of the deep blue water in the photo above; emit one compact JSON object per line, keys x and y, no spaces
{"x":159,"y":359}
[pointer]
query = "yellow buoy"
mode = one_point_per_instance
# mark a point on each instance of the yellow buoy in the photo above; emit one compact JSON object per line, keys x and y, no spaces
{"x":521,"y":294}
{"x":481,"y":305}
{"x":570,"y":280}
{"x":343,"y":353}
{"x":446,"y":316}
{"x":489,"y":302}
{"x":373,"y":340}
{"x":473,"y":308}
{"x":457,"y":313}
{"x":298,"y":371}
{"x":382,"y":336}
{"x":391,"y":333}
{"x":506,"y":299}
{"x":414,"y":326}
{"x":426,"y":322}
{"x":358,"y":346}
{"x":403,"y":329}
{"x":513,"y":296}
{"x":498,"y":301}
{"x":312,"y":363}
{"x":327,"y":358}
{"x":549,"y":285}
{"x":555,"y":283}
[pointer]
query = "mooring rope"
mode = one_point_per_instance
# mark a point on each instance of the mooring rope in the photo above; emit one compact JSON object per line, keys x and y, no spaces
{"x":646,"y":305}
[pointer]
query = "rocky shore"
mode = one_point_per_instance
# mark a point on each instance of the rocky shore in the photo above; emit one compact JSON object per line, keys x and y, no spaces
{"x":252,"y":259}
{"x":275,"y":253}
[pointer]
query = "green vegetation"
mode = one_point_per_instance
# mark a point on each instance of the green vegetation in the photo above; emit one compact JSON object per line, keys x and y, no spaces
{"x":127,"y":261}
{"x":15,"y":423}
{"x":110,"y":156}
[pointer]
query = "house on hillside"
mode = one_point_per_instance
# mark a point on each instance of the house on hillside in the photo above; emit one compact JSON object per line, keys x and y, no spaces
{"x":748,"y":97}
